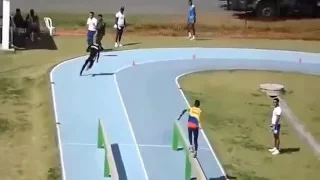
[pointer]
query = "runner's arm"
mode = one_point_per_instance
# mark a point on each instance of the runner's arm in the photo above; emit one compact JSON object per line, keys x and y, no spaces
{"x":195,"y":15}
{"x":88,"y":48}
{"x":182,"y":113}
{"x":116,"y":19}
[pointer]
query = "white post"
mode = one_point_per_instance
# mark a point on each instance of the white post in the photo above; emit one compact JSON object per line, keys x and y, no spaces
{"x":6,"y":24}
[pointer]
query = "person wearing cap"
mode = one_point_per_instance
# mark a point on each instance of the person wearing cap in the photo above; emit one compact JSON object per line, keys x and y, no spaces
{"x":120,"y":24}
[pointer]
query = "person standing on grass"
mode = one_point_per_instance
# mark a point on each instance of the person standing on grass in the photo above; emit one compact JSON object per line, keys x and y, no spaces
{"x":91,"y":23}
{"x":120,"y":24}
{"x":101,"y":30}
{"x":275,"y":126}
{"x":193,"y":125}
{"x":94,"y":50}
{"x":191,"y":20}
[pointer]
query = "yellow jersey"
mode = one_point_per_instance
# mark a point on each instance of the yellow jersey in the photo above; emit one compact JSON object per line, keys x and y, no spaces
{"x":194,"y":117}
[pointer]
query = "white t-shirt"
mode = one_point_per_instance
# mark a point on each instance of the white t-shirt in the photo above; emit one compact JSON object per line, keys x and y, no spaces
{"x":120,"y":17}
{"x":92,"y":23}
{"x":276,"y":112}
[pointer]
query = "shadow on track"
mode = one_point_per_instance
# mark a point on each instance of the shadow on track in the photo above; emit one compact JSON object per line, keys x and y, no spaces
{"x":119,"y":162}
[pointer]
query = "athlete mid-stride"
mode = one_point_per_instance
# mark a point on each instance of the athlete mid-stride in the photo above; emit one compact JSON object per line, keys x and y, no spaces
{"x":94,"y":55}
{"x":193,"y":125}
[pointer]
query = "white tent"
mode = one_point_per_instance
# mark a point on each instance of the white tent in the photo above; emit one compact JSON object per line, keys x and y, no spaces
{"x":5,"y":9}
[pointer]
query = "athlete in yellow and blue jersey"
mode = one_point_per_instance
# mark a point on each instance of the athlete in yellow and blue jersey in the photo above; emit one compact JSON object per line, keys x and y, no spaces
{"x":193,"y":125}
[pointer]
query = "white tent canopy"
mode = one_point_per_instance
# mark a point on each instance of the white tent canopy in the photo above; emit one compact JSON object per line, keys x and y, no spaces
{"x":5,"y":11}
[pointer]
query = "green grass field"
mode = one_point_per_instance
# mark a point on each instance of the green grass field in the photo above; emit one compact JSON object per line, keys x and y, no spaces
{"x":27,"y":131}
{"x":236,"y":117}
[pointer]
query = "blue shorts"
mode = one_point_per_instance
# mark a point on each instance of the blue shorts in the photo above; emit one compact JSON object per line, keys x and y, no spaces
{"x":190,"y":20}
{"x":276,"y":129}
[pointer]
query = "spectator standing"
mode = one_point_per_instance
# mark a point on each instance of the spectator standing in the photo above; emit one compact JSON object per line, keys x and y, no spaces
{"x":191,"y":20}
{"x":275,"y":126}
{"x":100,"y":30}
{"x":18,"y":20}
{"x":120,"y":24}
{"x":33,"y":25}
{"x":92,"y":24}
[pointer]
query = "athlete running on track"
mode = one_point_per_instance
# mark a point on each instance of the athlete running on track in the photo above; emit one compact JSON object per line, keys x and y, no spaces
{"x":193,"y":125}
{"x":94,"y":50}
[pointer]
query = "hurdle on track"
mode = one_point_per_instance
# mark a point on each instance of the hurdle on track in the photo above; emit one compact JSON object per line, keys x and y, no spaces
{"x":192,"y":164}
{"x":110,"y":168}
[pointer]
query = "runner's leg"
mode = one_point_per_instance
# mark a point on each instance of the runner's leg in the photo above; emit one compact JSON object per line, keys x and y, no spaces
{"x":195,"y":140}
{"x":190,"y":139}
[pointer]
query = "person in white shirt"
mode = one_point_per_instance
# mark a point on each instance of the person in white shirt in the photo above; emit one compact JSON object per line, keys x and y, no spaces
{"x":275,"y":126}
{"x":91,"y":23}
{"x":120,"y":24}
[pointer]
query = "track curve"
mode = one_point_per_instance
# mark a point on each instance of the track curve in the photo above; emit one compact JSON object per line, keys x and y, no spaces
{"x":138,"y":104}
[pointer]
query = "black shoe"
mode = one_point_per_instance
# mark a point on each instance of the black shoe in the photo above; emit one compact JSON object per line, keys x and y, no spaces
{"x":195,"y":154}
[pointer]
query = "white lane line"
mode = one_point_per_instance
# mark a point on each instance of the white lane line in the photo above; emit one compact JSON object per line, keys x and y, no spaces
{"x":53,"y":94}
{"x":204,"y":135}
{"x":130,"y":127}
{"x":140,"y":145}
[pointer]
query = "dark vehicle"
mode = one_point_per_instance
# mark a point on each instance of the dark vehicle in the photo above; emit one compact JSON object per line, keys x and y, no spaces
{"x":274,"y":8}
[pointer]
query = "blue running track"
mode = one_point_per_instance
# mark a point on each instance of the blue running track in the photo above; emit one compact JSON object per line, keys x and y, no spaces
{"x":138,"y":105}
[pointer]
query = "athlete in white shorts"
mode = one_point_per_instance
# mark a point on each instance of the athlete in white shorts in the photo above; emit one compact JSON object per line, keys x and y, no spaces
{"x":275,"y":126}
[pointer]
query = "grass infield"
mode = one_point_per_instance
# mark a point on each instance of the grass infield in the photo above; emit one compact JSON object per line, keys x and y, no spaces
{"x":236,"y":118}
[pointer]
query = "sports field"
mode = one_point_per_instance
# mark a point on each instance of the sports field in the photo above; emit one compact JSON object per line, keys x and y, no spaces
{"x":27,"y":128}
{"x":209,"y":24}
{"x":236,"y":118}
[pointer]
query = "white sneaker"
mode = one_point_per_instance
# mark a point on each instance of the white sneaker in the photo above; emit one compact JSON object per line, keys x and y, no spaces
{"x":272,"y":150}
{"x":116,"y":44}
{"x":193,"y":38}
{"x":120,"y":45}
{"x":190,"y":36}
{"x":276,"y":152}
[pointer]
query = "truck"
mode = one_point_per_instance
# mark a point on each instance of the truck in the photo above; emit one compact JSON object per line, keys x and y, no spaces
{"x":276,"y":8}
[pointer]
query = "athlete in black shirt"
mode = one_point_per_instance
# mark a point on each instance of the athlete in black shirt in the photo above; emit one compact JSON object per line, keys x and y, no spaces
{"x":94,"y":50}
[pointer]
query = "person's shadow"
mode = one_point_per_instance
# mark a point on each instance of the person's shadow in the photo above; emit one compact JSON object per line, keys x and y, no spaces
{"x":289,"y":150}
{"x":218,"y":178}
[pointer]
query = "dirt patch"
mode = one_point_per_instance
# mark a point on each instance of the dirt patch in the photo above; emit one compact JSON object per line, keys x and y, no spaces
{"x":223,"y":33}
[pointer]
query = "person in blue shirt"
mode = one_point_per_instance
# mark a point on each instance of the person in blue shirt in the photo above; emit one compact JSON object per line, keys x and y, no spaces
{"x":191,"y":20}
